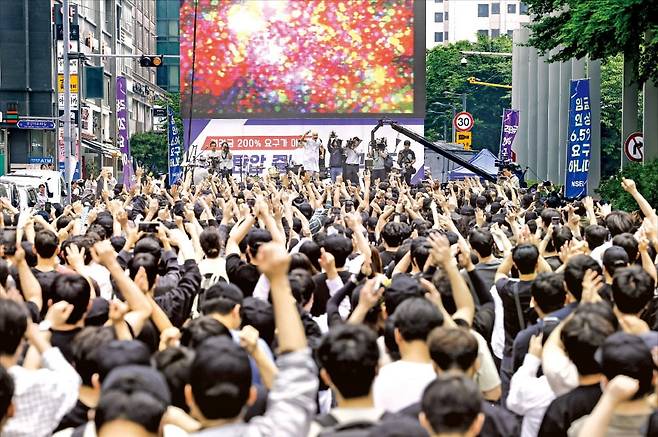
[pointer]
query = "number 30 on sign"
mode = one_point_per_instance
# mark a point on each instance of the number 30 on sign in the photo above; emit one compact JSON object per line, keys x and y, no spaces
{"x":463,"y":122}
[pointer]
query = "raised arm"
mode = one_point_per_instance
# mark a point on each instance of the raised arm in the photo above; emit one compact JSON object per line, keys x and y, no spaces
{"x":140,"y":308}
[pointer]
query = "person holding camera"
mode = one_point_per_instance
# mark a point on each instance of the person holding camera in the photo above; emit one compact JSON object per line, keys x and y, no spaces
{"x":406,"y":161}
{"x":336,"y":156}
{"x":378,"y":155}
{"x":351,"y":169}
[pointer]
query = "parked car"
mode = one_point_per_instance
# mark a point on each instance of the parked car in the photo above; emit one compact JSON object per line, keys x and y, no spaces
{"x":53,"y":180}
{"x":22,"y":197}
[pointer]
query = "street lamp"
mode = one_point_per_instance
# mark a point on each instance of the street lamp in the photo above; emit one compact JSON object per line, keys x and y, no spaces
{"x":462,"y":95}
{"x":464,"y":61}
{"x":454,"y":111}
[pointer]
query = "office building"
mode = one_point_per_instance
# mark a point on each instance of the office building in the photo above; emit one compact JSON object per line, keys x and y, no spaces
{"x":168,"y":40}
{"x":456,"y":20}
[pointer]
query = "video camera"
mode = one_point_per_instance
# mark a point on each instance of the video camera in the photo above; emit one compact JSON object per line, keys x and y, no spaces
{"x":379,"y":144}
{"x":353,"y":143}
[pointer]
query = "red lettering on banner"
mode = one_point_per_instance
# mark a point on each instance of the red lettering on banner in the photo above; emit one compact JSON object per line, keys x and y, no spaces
{"x":252,"y":143}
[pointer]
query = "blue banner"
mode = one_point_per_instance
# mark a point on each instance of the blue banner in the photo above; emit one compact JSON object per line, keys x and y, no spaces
{"x":175,"y":150}
{"x":580,"y":140}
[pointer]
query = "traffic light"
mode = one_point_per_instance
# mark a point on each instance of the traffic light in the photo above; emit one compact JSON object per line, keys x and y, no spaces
{"x":11,"y":115}
{"x":151,"y":61}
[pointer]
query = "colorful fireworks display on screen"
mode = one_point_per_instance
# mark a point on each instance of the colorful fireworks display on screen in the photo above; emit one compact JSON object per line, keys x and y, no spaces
{"x":299,"y":56}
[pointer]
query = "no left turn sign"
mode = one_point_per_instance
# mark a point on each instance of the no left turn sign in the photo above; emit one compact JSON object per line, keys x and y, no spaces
{"x":634,"y":147}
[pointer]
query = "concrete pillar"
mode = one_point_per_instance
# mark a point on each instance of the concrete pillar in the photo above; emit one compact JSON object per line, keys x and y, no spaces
{"x":532,"y":113}
{"x":516,"y":41}
{"x":594,"y":72}
{"x":563,"y":125}
{"x":629,"y":96}
{"x":542,"y":118}
{"x":553,"y":154}
{"x":650,"y":121}
{"x":521,"y":146}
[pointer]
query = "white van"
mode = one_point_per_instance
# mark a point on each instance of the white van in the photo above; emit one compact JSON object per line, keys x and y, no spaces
{"x":33,"y":178}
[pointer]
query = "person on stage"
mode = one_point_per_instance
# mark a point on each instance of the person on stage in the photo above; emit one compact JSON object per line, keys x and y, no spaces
{"x":225,"y":162}
{"x":336,"y":156}
{"x":351,"y":169}
{"x":311,"y":153}
{"x":406,"y":161}
{"x":378,"y":155}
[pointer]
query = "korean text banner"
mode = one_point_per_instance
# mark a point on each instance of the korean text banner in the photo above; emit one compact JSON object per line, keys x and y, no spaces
{"x":510,"y":126}
{"x":579,"y":141}
{"x":123,"y":139}
{"x":287,"y":58}
{"x":175,"y":149}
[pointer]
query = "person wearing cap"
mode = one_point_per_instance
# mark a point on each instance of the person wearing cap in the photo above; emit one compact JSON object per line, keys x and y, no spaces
{"x":614,"y":258}
{"x":132,"y":403}
{"x":628,"y":355}
{"x":221,"y":383}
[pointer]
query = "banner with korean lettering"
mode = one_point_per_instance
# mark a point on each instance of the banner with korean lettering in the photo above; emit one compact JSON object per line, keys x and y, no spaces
{"x":508,"y":133}
{"x":175,"y":151}
{"x":260,"y":144}
{"x":579,"y":140}
{"x":123,"y":140}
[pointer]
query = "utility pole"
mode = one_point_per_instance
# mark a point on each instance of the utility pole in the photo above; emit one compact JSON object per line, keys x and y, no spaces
{"x":67,"y":101}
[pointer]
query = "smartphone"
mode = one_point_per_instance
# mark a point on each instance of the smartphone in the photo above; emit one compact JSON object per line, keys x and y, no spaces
{"x":555,"y":221}
{"x":9,"y":240}
{"x":148,"y":227}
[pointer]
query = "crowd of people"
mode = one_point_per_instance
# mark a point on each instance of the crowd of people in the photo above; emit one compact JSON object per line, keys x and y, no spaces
{"x":293,"y":306}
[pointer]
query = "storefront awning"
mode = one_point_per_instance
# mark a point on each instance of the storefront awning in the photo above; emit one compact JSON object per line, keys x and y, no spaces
{"x":103,"y":149}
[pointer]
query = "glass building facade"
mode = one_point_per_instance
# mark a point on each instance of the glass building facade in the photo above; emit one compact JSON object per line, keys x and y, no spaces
{"x":168,"y":44}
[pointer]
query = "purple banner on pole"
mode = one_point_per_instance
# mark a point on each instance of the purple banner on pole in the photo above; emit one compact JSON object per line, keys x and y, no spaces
{"x":509,"y":128}
{"x":123,"y":140}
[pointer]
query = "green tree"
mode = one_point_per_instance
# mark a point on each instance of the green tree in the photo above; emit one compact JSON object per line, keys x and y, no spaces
{"x":599,"y":29}
{"x":149,"y":150}
{"x":446,"y":76}
{"x":611,"y":84}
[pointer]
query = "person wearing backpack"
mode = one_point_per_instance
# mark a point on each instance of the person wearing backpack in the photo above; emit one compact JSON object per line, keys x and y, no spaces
{"x":348,"y":358}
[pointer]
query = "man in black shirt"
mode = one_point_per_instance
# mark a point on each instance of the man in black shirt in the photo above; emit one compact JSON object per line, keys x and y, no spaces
{"x":548,"y":295}
{"x":243,"y":273}
{"x":515,"y":297}
{"x":392,"y":234}
{"x":406,"y":161}
{"x":581,"y":336}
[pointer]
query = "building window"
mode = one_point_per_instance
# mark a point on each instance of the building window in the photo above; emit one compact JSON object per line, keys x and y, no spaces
{"x":523,"y":8}
{"x":438,"y":1}
{"x":510,"y":33}
{"x":445,"y":16}
{"x":438,"y":17}
{"x":483,"y":32}
{"x":445,"y":36}
{"x":438,"y":36}
{"x":495,"y":33}
{"x":483,"y":10}
{"x":495,"y":8}
{"x":511,"y":9}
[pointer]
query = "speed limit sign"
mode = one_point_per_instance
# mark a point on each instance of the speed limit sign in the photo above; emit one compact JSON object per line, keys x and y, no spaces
{"x":463,"y":122}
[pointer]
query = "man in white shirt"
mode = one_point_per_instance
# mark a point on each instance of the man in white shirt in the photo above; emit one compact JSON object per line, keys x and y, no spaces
{"x":311,"y":154}
{"x":41,"y":397}
{"x":402,"y":382}
{"x":351,"y":169}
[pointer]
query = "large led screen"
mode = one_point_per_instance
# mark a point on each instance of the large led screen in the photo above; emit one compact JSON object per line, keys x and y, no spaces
{"x":280,"y":58}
